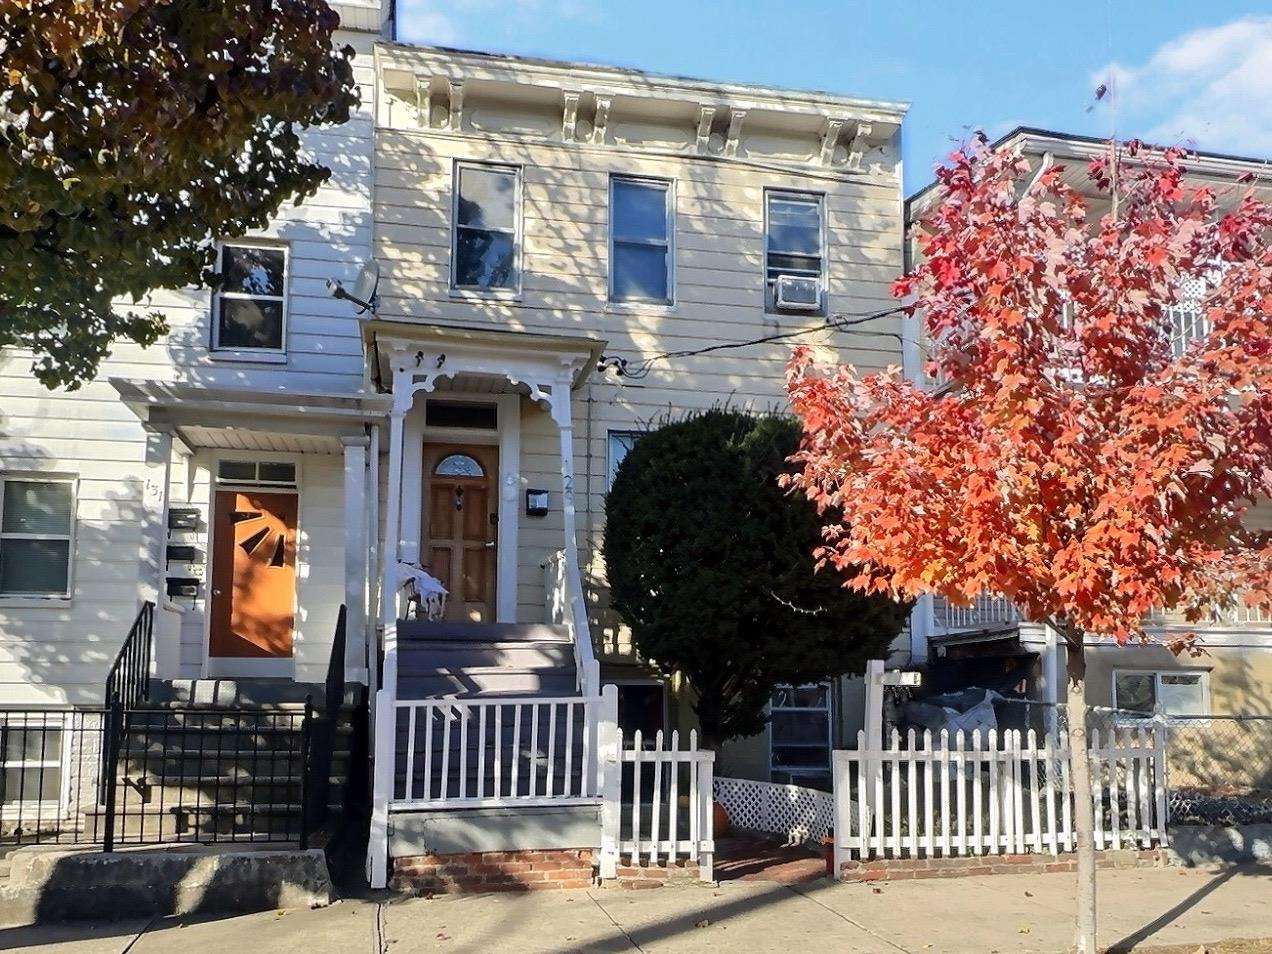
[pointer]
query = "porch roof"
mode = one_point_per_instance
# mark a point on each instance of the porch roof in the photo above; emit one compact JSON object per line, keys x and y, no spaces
{"x":382,"y":336}
{"x":242,"y":418}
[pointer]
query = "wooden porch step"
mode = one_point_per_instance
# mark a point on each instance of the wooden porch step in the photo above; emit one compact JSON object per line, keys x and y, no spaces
{"x":420,"y":629}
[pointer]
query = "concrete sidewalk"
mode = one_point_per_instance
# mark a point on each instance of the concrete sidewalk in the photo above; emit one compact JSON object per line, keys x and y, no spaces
{"x":1140,"y":909}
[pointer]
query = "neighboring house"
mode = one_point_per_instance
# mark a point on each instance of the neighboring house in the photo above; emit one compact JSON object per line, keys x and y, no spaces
{"x":279,"y":456}
{"x":990,"y":645}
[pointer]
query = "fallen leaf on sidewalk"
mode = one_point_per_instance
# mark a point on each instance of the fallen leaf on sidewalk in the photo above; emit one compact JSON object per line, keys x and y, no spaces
{"x":877,"y":890}
{"x":1024,"y":930}
{"x":1028,"y":894}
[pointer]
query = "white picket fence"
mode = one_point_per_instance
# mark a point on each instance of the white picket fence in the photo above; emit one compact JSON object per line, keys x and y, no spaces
{"x":657,"y":802}
{"x":994,"y":793}
{"x":796,"y":813}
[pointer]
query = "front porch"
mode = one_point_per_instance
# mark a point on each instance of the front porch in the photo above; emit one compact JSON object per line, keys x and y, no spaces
{"x":485,"y":720}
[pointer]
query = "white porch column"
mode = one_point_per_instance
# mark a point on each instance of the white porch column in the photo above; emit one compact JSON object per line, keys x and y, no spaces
{"x":355,"y":503}
{"x":156,"y":489}
{"x":385,"y":711}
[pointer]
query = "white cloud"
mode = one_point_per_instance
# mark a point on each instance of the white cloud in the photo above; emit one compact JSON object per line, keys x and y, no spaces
{"x":1211,"y":87}
{"x":419,"y":21}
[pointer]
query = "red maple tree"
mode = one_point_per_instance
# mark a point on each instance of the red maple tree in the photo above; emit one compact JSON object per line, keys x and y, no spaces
{"x":1098,"y":435}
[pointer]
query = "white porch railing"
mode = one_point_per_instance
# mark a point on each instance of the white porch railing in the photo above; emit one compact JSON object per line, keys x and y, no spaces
{"x":651,"y":824}
{"x":994,"y":794}
{"x":987,"y":610}
{"x":564,"y":606}
{"x":496,"y":752}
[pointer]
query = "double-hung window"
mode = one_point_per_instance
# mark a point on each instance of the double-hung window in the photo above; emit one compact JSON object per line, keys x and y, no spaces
{"x":485,"y":240}
{"x":620,"y":444}
{"x":30,"y":762}
{"x":799,"y":735}
{"x":642,"y":231}
{"x":1177,"y":692}
{"x":37,"y":524}
{"x":794,"y":249}
{"x":250,"y":311}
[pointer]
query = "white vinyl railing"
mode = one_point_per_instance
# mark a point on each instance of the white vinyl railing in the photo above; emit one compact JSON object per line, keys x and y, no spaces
{"x":987,"y":610}
{"x":658,"y":801}
{"x":497,"y":751}
{"x":564,"y":606}
{"x":988,"y":794}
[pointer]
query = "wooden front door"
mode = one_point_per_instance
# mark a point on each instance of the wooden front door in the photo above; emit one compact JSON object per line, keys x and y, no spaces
{"x":460,"y":514}
{"x":253,"y":601}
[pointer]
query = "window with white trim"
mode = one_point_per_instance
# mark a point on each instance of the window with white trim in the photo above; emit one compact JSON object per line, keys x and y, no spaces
{"x":485,"y":238}
{"x":37,"y":532}
{"x":642,"y":230}
{"x":794,"y":244}
{"x":620,"y":444}
{"x":30,"y":761}
{"x":250,"y":311}
{"x":256,"y":473}
{"x":799,"y":735}
{"x":1179,"y":692}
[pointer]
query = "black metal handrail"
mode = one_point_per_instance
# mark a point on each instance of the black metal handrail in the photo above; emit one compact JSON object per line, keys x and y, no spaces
{"x":128,"y":682}
{"x":320,"y":738}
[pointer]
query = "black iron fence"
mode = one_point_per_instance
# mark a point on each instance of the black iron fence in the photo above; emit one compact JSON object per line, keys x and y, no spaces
{"x":153,"y":776}
{"x":51,"y":770}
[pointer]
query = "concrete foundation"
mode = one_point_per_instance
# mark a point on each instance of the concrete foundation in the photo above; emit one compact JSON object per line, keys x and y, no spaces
{"x":47,"y":885}
{"x":494,"y":829}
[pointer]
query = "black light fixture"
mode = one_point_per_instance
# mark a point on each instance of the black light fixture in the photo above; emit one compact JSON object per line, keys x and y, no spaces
{"x":536,"y":503}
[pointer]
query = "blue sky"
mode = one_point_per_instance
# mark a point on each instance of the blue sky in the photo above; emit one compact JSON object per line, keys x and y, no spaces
{"x":1186,"y":72}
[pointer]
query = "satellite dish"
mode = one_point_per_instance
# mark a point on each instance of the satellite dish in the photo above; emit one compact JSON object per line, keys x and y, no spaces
{"x":363,"y":293}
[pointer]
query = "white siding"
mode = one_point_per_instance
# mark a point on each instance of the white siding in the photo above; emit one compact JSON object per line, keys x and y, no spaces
{"x":61,"y":653}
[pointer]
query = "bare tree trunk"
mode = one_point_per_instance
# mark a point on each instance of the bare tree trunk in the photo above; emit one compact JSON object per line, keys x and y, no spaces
{"x":1083,"y":813}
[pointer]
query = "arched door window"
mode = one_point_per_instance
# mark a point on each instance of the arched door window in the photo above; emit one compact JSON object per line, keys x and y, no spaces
{"x":458,"y":465}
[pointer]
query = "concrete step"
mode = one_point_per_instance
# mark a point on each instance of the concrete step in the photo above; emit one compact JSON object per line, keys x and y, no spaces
{"x":238,"y":692}
{"x":410,"y":630}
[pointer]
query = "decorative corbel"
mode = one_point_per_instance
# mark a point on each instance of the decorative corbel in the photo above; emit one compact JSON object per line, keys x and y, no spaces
{"x":735,"y":132}
{"x":857,"y":148}
{"x":456,"y":122}
{"x":569,"y":114}
{"x":706,"y":116}
{"x":424,"y":101}
{"x":830,"y":139}
{"x":602,"y":119}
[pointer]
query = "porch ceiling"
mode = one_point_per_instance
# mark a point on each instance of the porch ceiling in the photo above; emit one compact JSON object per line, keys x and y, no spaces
{"x":243,"y":419}
{"x":235,"y":438}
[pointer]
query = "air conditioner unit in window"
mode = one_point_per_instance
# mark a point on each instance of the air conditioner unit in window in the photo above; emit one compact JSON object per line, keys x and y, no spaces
{"x":797,"y":293}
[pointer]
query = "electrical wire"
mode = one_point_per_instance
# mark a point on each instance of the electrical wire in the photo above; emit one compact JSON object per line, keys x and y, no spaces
{"x":841,"y":323}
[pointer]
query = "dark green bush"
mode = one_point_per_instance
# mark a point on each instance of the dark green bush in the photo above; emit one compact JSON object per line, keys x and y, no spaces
{"x":710,"y":564}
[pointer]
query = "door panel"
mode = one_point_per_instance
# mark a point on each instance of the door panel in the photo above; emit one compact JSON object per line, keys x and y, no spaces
{"x":253,"y":602}
{"x":460,"y":532}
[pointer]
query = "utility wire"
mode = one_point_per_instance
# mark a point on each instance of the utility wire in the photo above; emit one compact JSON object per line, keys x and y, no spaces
{"x":843,"y":323}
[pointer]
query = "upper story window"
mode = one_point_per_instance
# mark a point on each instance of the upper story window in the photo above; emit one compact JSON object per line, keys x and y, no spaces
{"x":642,"y":230}
{"x":795,"y":253}
{"x":486,"y":240}
{"x":250,"y":311}
{"x":37,"y":526}
{"x":1176,"y":692}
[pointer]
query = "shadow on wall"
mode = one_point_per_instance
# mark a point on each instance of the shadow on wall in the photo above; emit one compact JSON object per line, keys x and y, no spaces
{"x":60,"y":650}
